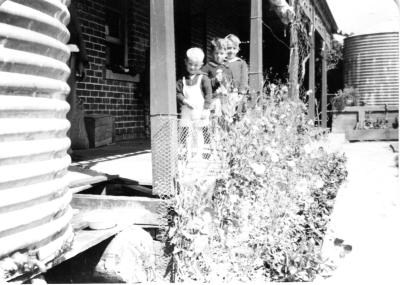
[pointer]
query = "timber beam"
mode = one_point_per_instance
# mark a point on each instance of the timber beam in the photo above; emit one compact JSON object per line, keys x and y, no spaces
{"x":324,"y":95}
{"x":311,"y":13}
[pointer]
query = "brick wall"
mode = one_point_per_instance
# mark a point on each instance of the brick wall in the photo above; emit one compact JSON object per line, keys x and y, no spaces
{"x":121,"y":99}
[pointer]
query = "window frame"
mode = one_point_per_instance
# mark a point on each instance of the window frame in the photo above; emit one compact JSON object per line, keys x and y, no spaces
{"x":122,"y":40}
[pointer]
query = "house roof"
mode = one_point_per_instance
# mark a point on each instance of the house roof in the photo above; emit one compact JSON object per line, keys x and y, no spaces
{"x":326,"y":15}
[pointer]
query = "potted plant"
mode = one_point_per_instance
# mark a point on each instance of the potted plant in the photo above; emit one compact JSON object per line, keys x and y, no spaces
{"x":346,"y":97}
{"x":352,"y":95}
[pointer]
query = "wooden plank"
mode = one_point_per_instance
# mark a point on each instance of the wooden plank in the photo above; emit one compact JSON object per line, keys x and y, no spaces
{"x":361,"y":116}
{"x":78,"y":177}
{"x":322,"y":31}
{"x":390,"y":108}
{"x":139,"y":188}
{"x":87,"y":181}
{"x":308,"y":8}
{"x":135,"y":210}
{"x":256,"y":48}
{"x":90,"y":201}
{"x":372,"y":134}
{"x":324,"y":94}
{"x":125,"y":186}
{"x":80,"y":188}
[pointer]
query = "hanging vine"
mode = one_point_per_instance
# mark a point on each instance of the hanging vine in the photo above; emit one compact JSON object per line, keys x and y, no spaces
{"x":304,"y":47}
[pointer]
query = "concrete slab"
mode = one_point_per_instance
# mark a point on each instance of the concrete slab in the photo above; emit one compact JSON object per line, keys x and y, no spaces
{"x":129,"y":160}
{"x":135,"y":167}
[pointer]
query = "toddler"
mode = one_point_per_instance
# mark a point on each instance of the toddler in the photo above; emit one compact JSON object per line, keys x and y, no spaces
{"x":237,"y":65}
{"x":194,"y":95}
{"x":219,"y":73}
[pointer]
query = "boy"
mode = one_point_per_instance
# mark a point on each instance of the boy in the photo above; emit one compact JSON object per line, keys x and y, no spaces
{"x":194,"y":95}
{"x":237,"y":65}
{"x":219,"y":73}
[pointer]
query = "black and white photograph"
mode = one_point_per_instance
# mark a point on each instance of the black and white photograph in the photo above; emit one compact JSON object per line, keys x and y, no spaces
{"x":199,"y":141}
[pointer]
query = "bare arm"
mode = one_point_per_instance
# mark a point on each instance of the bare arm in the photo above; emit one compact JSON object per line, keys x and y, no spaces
{"x":207,"y":91}
{"x":244,"y":82}
{"x":179,"y":92}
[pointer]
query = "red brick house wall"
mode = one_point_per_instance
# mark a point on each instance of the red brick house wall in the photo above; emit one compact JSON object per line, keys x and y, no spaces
{"x":121,"y":99}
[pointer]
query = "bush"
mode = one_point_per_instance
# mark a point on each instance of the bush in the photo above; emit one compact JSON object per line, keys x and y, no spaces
{"x":264,"y":213}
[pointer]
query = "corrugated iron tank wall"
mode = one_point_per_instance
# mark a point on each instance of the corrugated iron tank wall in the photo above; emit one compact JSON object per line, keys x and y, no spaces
{"x":34,"y":199}
{"x":371,"y":64}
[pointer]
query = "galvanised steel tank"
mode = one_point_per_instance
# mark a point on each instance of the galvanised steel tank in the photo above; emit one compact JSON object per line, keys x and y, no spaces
{"x":371,"y":64}
{"x":34,"y":198}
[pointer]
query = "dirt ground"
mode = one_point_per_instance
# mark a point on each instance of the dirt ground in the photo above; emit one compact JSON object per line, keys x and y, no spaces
{"x":366,"y":216}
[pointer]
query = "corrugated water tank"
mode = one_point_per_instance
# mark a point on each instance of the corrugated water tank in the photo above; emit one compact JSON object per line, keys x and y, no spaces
{"x":34,"y":198}
{"x":371,"y":64}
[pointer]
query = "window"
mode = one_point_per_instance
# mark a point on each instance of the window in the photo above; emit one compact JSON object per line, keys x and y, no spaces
{"x":116,"y":36}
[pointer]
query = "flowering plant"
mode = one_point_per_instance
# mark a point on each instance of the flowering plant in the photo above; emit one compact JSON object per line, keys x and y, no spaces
{"x":262,"y":213}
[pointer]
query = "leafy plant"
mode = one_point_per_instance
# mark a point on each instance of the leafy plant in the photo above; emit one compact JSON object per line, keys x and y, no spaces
{"x":335,"y":55}
{"x":346,"y":97}
{"x":260,"y":211}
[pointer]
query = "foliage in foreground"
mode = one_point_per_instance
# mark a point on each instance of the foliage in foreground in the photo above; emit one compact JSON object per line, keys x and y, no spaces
{"x":264,"y":214}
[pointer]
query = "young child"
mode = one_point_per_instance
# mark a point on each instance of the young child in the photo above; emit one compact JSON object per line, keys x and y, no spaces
{"x":194,"y":95}
{"x":219,"y":73}
{"x":237,"y":65}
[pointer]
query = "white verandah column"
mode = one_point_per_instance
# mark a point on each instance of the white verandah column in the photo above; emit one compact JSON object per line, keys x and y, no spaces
{"x":256,"y":48}
{"x":163,"y":95}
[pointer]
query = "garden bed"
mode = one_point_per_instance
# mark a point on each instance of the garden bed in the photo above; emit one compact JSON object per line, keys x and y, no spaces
{"x":389,"y":134}
{"x":351,"y":115}
{"x":263,"y":215}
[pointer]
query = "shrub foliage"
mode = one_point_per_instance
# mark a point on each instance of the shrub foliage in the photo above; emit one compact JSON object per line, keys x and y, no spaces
{"x":264,"y":213}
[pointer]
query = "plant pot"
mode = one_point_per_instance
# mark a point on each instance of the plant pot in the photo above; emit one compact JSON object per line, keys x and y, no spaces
{"x":349,"y":102}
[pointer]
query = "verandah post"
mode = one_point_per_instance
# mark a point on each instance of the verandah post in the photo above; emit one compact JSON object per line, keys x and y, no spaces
{"x":294,"y":54}
{"x":311,"y":77}
{"x":163,"y":95}
{"x":256,"y":54}
{"x":324,"y":99}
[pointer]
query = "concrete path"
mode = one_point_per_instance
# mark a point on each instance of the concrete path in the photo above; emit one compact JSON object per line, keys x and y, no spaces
{"x":130,"y":160}
{"x":367,"y":217}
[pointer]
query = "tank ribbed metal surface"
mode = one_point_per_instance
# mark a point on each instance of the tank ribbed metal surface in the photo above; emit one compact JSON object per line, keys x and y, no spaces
{"x":371,"y":64}
{"x":34,"y":198}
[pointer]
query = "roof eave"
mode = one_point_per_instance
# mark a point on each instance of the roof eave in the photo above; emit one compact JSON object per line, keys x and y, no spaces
{"x":326,"y":15}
